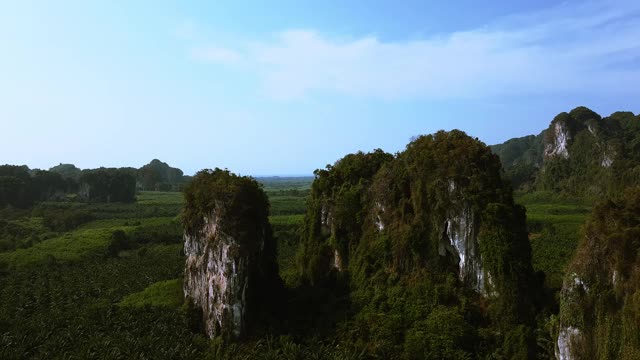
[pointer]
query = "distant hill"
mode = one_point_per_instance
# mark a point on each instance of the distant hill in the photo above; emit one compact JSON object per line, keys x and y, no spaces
{"x":67,"y":171}
{"x":158,"y":175}
{"x":580,"y":153}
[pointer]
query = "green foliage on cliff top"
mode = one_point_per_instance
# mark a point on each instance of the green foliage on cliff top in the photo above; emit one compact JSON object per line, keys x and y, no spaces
{"x":239,"y":200}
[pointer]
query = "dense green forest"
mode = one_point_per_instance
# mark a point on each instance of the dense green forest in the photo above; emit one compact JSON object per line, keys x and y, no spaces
{"x":424,"y":254}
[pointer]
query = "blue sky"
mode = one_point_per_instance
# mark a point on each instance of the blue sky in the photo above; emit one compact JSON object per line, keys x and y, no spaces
{"x":284,"y":87}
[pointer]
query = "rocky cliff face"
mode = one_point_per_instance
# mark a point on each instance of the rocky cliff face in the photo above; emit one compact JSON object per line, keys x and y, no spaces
{"x":460,"y":240}
{"x":559,"y":139}
{"x":217,"y":277}
{"x":229,"y":251}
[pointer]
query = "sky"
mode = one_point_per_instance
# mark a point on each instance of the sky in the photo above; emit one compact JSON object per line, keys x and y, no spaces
{"x":285,"y":87}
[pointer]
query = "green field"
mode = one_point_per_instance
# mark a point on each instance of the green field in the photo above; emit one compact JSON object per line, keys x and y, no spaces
{"x":76,"y":293}
{"x":277,"y":183}
{"x":555,"y":226}
{"x":164,"y":293}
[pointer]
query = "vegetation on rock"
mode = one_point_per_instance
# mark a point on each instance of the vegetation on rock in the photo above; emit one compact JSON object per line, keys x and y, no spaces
{"x":601,"y":294}
{"x":388,"y":220}
{"x":580,"y":154}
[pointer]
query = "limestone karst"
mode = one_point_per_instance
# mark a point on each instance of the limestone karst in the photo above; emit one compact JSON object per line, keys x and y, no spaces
{"x":229,"y":248}
{"x":440,"y":206}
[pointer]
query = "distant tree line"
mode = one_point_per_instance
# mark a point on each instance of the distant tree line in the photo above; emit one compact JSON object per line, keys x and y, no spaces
{"x":155,"y":176}
{"x":21,"y":187}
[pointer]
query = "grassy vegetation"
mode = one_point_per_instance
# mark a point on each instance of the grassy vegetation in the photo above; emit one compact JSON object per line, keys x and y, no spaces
{"x":68,"y":247}
{"x":89,"y":240}
{"x":286,"y":204}
{"x":277,"y":183}
{"x":286,"y":230}
{"x":164,"y":293}
{"x":160,"y":198}
{"x":555,"y":225}
{"x":286,"y":220}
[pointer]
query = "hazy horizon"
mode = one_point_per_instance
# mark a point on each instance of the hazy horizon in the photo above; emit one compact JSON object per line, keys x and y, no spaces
{"x":288,"y":87}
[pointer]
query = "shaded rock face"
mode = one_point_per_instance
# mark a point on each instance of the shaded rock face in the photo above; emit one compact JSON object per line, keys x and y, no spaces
{"x":326,"y":220}
{"x":217,"y":278}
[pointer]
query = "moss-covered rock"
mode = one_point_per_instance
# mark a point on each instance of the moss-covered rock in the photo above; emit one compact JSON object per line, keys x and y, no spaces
{"x":433,"y":228}
{"x":336,"y":212}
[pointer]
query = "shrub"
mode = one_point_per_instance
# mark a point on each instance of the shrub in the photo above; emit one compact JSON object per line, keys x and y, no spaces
{"x":119,"y":242}
{"x":65,"y":219}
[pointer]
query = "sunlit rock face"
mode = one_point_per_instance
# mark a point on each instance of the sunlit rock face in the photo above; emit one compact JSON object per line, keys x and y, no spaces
{"x":379,"y":211}
{"x":336,"y":261}
{"x":326,"y":220}
{"x":460,"y":240}
{"x":607,"y":160}
{"x":218,"y":275}
{"x":559,"y":144}
{"x":566,"y":340}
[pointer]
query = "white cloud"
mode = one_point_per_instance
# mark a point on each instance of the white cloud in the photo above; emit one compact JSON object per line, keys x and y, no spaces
{"x":216,"y":55}
{"x":567,"y":49}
